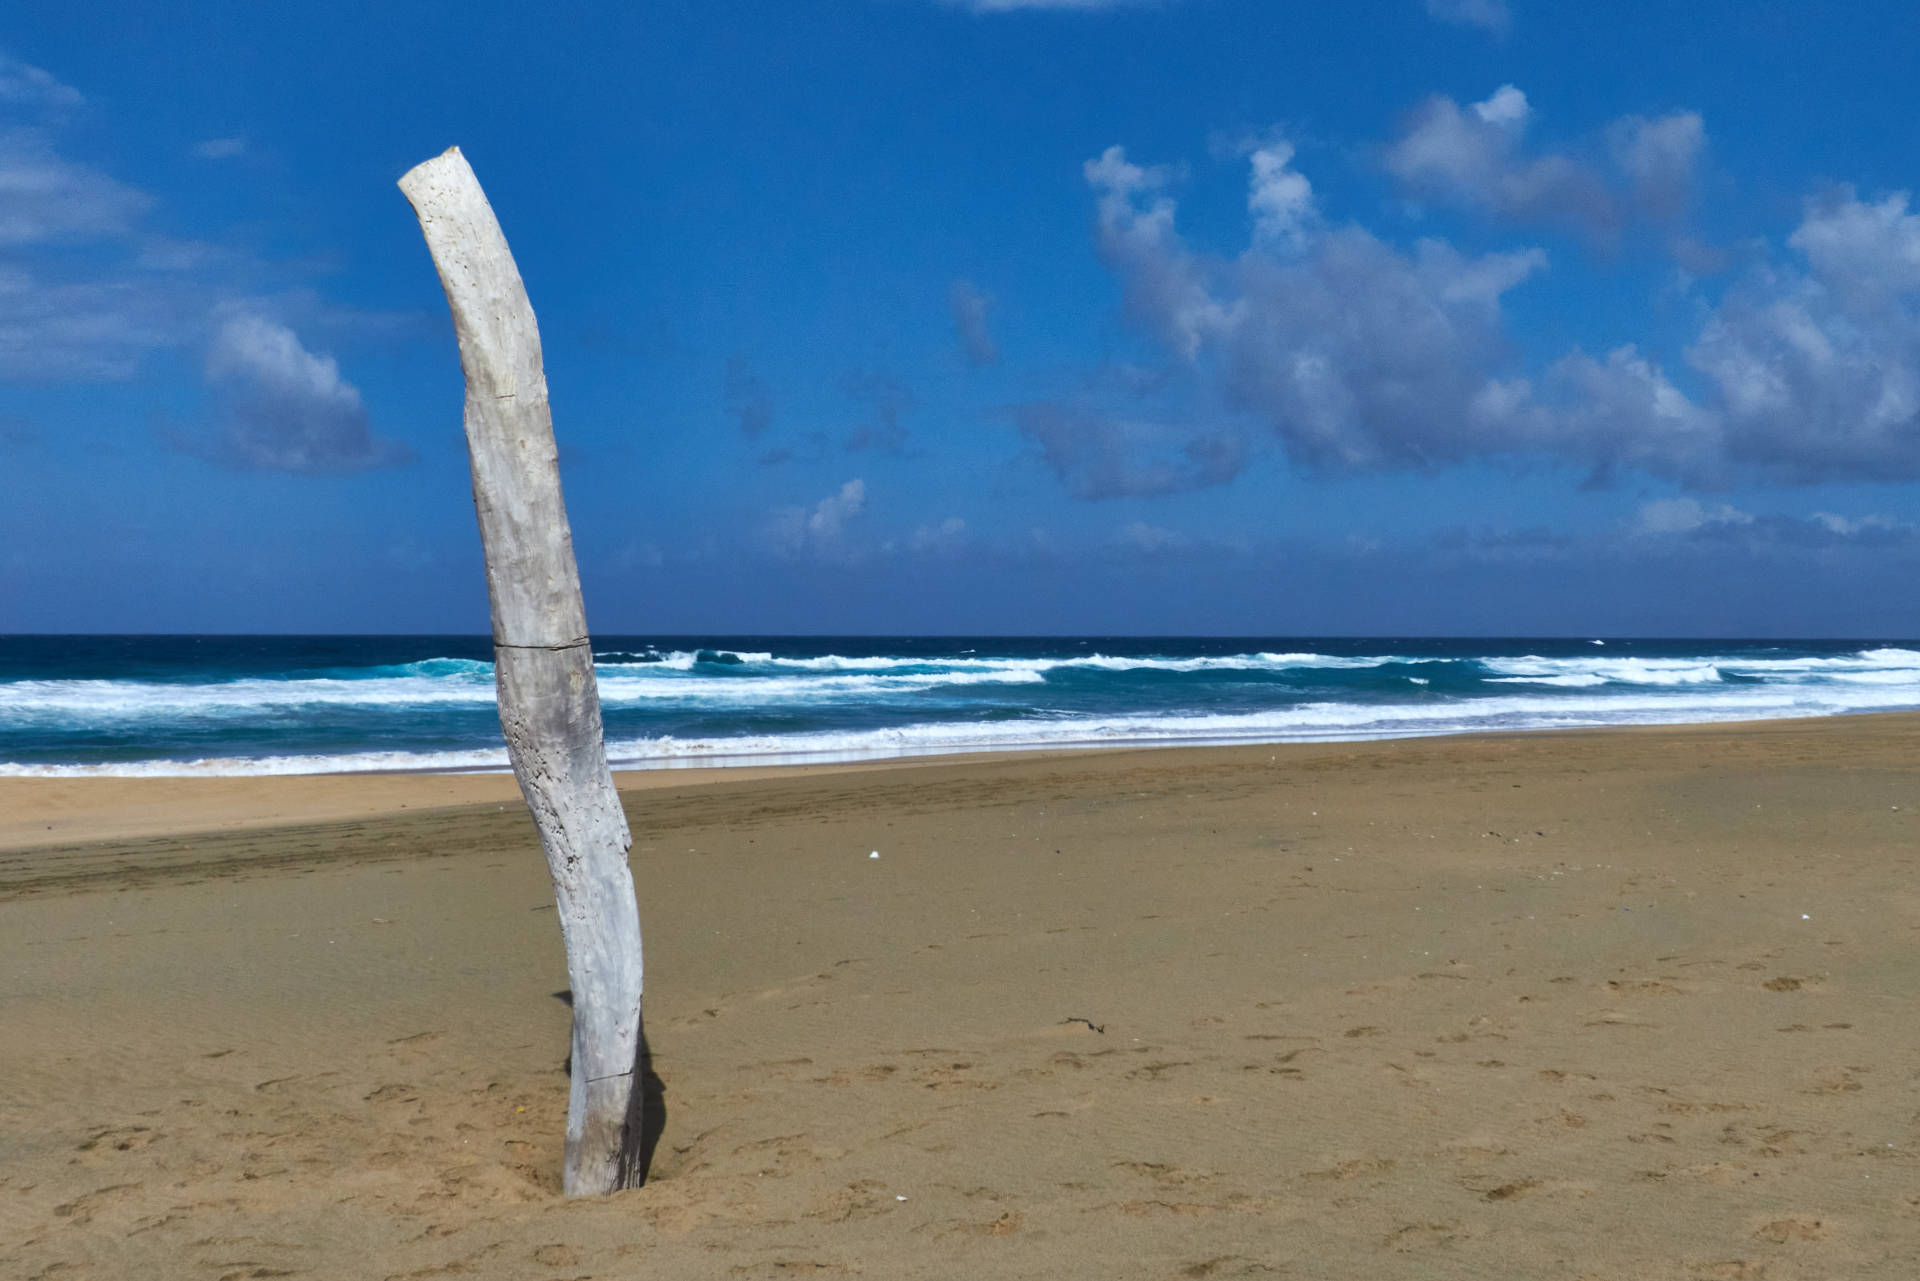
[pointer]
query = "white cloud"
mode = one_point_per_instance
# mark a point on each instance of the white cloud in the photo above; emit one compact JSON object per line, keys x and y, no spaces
{"x":169,"y":254}
{"x":1683,"y":516}
{"x":1805,"y":373}
{"x":1474,"y":158}
{"x":45,"y":197}
{"x":90,"y":330}
{"x":835,"y":532}
{"x":287,"y":408}
{"x":1280,"y":199}
{"x":830,"y":514}
{"x":220,"y":148}
{"x":1865,"y":252}
{"x":1817,"y":370}
{"x":1355,"y":353}
{"x":94,"y":316}
{"x":1140,"y":536}
{"x":1673,"y":521}
{"x":1165,"y":284}
{"x":1661,"y":159}
{"x":818,"y":532}
{"x":1624,"y":412}
{"x":947,"y":536}
{"x":1359,"y":354}
{"x":1860,"y":526}
{"x":67,"y":315}
{"x":970,"y":323}
{"x":1489,"y":15}
{"x":1508,"y":108}
{"x":30,"y":86}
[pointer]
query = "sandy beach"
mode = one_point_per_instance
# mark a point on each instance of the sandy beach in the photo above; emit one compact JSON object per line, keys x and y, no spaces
{"x":1618,"y":1004}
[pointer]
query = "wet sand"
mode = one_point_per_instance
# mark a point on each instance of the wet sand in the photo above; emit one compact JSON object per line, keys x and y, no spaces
{"x":1622,"y":1004}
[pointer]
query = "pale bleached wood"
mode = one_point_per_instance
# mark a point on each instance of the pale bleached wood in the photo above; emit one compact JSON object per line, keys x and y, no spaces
{"x":549,"y":703}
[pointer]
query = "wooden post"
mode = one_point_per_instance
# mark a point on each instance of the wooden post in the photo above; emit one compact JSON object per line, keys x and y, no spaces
{"x":543,"y":663}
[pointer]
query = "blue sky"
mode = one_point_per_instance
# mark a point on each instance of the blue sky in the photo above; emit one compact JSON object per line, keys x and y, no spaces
{"x":912,"y":316}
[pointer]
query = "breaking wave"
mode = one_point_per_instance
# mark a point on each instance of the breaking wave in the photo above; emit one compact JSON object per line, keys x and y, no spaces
{"x":211,"y":713}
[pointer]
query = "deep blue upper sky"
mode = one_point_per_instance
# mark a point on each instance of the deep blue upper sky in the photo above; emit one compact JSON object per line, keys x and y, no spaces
{"x":938,"y":316}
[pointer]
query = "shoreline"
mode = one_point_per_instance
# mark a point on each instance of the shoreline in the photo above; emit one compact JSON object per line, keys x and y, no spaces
{"x":41,"y":811}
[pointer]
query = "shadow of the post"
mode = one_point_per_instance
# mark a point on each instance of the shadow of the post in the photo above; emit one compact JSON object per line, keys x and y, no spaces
{"x":646,"y":1107}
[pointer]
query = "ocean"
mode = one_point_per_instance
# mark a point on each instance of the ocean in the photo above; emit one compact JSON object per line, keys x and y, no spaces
{"x":238,"y":705}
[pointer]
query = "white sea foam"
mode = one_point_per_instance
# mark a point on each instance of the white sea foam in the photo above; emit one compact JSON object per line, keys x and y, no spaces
{"x":677,"y":677}
{"x":1566,"y":680}
{"x":124,"y":700}
{"x":680,"y":660}
{"x":624,"y":660}
{"x":1319,"y":721}
{"x":1903,"y":663}
{"x":481,"y":761}
{"x":1591,"y":688}
{"x":1309,"y":722}
{"x":1891,"y":677}
{"x":747,"y":690}
{"x":1595,"y":671}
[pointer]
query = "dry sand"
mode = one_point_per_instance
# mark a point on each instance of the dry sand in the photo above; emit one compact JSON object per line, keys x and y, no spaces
{"x":1631,"y":1004}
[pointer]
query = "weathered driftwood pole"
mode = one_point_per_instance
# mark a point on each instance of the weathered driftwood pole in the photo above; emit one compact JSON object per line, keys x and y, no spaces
{"x":549,"y":704}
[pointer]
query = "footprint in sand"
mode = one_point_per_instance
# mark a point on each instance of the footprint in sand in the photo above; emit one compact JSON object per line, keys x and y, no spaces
{"x":861,"y":1199}
{"x":791,"y":1268}
{"x":1511,"y":1191}
{"x":1729,"y":1270}
{"x":1841,"y":1082}
{"x":128,"y":1139}
{"x":1538,"y":1187}
{"x":1799,"y":1228}
{"x":951,"y":1077}
{"x":1155,"y":1071}
{"x":847,"y":1076}
{"x":1167,"y":1176}
{"x":1371,"y":1167}
{"x":1180,"y":1209}
{"x":1227,"y":1265}
{"x":1421,"y":1236}
{"x":81,"y":1209}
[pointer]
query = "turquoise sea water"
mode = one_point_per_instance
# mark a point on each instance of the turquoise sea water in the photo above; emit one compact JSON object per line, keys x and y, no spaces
{"x":173,"y":705}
